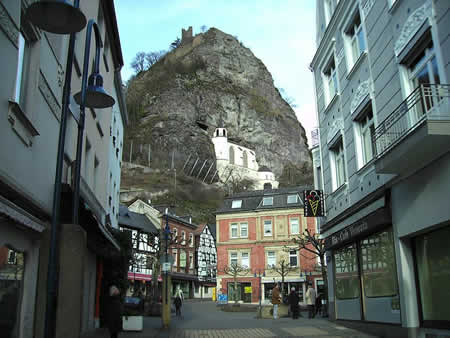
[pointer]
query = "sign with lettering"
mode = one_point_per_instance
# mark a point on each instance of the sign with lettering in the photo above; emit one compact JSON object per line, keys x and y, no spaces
{"x":313,"y":203}
{"x":248,"y":289}
{"x":373,"y":221}
{"x":222,"y":299}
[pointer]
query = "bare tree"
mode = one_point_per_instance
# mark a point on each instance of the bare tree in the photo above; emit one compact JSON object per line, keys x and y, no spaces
{"x":138,"y":63}
{"x":283,"y":268}
{"x":235,"y":270}
{"x":289,"y":99}
{"x":152,"y":57}
{"x":203,"y":28}
{"x":310,"y":242}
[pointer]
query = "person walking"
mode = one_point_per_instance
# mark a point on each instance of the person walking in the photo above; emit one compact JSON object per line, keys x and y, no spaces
{"x":177,"y":303}
{"x":113,"y":313}
{"x":276,"y":300}
{"x":293,"y":302}
{"x":318,"y":304}
{"x":311,"y":300}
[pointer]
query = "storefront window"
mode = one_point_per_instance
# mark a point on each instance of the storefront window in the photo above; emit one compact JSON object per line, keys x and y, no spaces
{"x":433,"y":268}
{"x":378,"y":265}
{"x":12,"y":265}
{"x":347,"y":279}
{"x":240,"y":294}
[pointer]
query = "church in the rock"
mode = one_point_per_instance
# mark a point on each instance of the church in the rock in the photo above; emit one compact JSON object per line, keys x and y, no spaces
{"x":238,"y":162}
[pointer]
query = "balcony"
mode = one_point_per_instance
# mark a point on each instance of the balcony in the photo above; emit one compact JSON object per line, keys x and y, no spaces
{"x":416,"y":133}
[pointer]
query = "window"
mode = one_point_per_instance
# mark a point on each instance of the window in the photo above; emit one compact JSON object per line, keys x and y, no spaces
{"x":292,"y":199}
{"x":191,"y":240}
{"x":271,"y":259}
{"x":191,"y":260}
{"x":433,"y":272}
{"x":22,"y":62}
{"x":378,"y":265}
{"x":175,"y":234}
{"x":244,"y":230}
{"x":423,"y":71}
{"x":233,"y":258}
{"x":231,"y":154}
{"x":292,"y":257}
{"x":355,"y":43}
{"x":236,"y":204}
{"x":366,"y":130}
{"x":267,"y":228}
{"x":182,"y":259}
{"x":234,"y":230}
{"x":330,"y":80}
{"x":183,"y":238}
{"x":338,"y":164}
{"x":245,"y":262}
{"x":347,"y":279}
{"x":174,"y":254}
{"x":12,"y":257}
{"x":96,"y":170}
{"x":268,"y":200}
{"x":294,"y":222}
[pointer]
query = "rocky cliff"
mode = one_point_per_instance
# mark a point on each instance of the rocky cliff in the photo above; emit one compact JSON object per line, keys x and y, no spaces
{"x":212,"y":79}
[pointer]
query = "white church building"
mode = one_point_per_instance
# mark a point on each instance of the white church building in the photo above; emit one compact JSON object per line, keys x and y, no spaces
{"x":238,"y":162}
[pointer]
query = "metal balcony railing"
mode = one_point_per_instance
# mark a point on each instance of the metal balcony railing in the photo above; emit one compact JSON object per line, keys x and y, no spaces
{"x":408,"y":116}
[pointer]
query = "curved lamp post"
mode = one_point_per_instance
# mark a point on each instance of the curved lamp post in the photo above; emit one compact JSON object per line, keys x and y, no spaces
{"x":64,"y":17}
{"x":92,"y":95}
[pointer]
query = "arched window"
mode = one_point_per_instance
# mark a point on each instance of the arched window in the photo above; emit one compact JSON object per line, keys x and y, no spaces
{"x":217,"y":132}
{"x":224,"y":133}
{"x":245,"y":158}
{"x":231,"y":155}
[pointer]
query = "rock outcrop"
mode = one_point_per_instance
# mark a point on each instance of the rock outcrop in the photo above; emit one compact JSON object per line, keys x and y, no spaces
{"x":209,"y":80}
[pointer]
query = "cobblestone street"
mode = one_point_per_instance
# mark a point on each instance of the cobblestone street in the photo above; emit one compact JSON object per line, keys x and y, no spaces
{"x":205,"y":319}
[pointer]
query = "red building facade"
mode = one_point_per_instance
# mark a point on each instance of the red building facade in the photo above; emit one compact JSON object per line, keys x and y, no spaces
{"x":255,"y":231}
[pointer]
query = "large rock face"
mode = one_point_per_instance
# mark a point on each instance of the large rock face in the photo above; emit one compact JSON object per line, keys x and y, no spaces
{"x":212,"y":79}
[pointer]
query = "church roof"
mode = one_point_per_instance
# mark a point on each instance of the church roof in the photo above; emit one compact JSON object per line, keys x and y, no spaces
{"x":264,"y":168}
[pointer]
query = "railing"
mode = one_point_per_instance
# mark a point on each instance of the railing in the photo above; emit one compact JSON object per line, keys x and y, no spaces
{"x":408,"y":116}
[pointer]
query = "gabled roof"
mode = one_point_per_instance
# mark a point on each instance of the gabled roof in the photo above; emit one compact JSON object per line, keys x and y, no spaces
{"x":211,"y":227}
{"x":133,"y":220}
{"x":253,"y":200}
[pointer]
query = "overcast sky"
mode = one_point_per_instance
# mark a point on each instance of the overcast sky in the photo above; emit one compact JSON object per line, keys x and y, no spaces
{"x":279,"y":32}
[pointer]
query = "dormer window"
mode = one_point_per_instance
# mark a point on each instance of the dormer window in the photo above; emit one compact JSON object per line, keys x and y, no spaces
{"x":268,"y":200}
{"x":236,"y":204}
{"x":292,"y":199}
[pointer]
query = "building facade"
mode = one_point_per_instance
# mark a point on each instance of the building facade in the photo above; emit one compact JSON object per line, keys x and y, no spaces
{"x":381,"y":74}
{"x":182,"y":249}
{"x":144,"y":237}
{"x":206,"y":261}
{"x":33,"y":70}
{"x":255,"y":231}
{"x":234,"y":161}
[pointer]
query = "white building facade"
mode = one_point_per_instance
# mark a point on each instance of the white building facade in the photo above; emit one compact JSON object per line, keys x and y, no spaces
{"x":234,"y":161}
{"x":381,"y":74}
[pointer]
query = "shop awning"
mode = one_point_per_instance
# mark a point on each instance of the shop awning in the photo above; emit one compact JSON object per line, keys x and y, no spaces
{"x":20,"y":216}
{"x":141,"y":276}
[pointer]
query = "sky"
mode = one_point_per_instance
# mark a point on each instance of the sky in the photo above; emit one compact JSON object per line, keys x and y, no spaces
{"x":281,"y":33}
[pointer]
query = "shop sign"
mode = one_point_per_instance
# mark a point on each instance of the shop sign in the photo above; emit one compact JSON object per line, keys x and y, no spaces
{"x":370,"y":222}
{"x":313,"y":203}
{"x":222,"y":299}
{"x":248,"y":289}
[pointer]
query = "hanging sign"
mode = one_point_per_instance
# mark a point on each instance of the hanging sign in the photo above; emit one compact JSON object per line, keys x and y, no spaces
{"x":313,"y":203}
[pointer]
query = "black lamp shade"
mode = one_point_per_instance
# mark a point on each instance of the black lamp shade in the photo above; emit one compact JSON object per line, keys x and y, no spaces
{"x":58,"y":16}
{"x":96,"y":97}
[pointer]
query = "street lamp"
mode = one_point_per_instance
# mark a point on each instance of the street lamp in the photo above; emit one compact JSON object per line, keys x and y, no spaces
{"x":57,"y":16}
{"x":166,"y":311}
{"x":92,"y":95}
{"x":259,"y":273}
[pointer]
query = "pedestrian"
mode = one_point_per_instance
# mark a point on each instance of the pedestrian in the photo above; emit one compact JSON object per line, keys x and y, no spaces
{"x":311,"y":300}
{"x":276,"y":300}
{"x":318,"y":304}
{"x":113,"y":313}
{"x":177,"y":303}
{"x":293,"y":302}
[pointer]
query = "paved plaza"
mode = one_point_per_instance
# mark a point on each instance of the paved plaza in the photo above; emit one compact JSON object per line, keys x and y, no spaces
{"x":205,"y":319}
